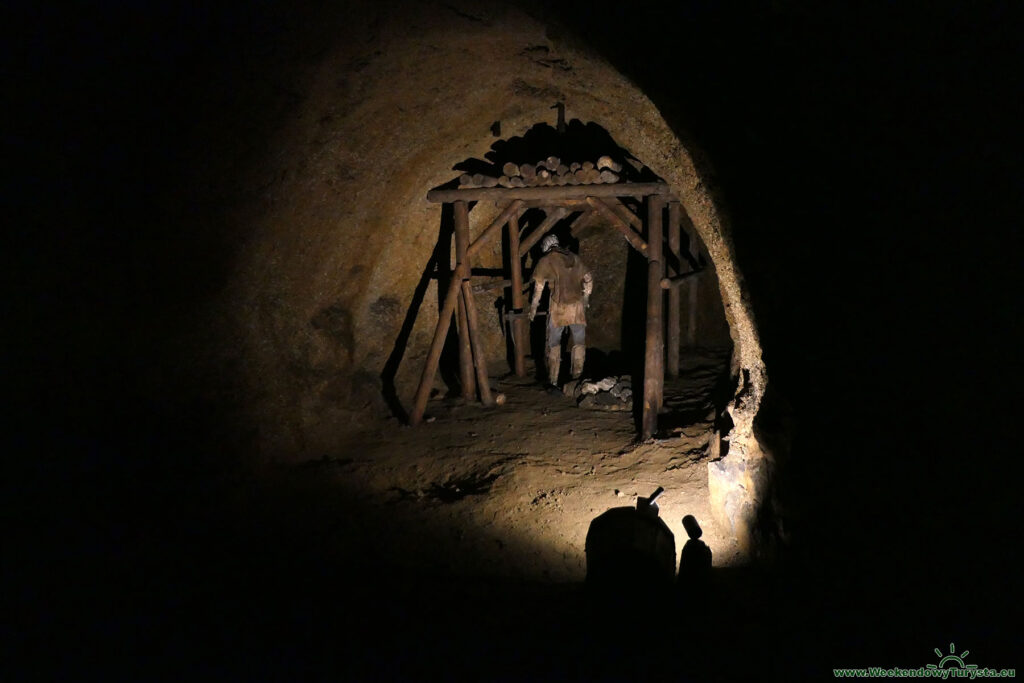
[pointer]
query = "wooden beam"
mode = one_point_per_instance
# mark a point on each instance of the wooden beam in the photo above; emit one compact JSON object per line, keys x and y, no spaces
{"x":571,"y":204}
{"x":466,"y":377}
{"x":620,"y":225}
{"x":583,"y":220}
{"x":517,"y":326}
{"x":444,"y":321}
{"x":624,"y":212}
{"x":654,"y":349}
{"x":672,"y":333}
{"x":552,"y":192}
{"x":479,"y":359}
{"x":671,"y":283}
{"x":496,"y":225}
{"x":549,"y":222}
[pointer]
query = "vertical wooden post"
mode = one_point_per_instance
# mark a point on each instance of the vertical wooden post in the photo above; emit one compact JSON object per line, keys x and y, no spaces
{"x":466,"y":377}
{"x":654,"y":350}
{"x":518,"y":329}
{"x":672,"y":336}
{"x":479,"y":360}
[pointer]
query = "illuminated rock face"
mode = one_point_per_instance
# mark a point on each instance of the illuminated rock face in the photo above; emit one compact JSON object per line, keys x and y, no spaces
{"x":331,"y":305}
{"x":738,"y":487}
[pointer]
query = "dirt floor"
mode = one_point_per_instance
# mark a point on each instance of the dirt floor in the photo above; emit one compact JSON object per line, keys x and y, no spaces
{"x":510,"y":492}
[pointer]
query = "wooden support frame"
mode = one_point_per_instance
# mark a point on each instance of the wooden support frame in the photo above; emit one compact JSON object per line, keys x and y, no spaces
{"x":592,"y":201}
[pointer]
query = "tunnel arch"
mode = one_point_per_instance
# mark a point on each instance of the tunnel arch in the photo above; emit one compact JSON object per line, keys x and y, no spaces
{"x":339,"y":232}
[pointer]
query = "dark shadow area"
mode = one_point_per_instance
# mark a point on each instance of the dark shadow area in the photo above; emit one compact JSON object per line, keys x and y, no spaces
{"x":694,"y":579}
{"x":630,"y":550}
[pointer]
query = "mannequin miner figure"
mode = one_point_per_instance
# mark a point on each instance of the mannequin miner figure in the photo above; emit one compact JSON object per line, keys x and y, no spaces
{"x":570,"y":283}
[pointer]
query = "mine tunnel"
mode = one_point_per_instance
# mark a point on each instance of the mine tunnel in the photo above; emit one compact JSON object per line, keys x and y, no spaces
{"x":314,"y":432}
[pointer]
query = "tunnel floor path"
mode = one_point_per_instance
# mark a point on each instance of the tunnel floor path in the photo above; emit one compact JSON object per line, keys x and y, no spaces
{"x":510,"y":491}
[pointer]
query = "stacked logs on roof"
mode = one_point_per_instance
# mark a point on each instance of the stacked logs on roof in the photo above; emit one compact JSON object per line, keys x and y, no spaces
{"x":550,"y":171}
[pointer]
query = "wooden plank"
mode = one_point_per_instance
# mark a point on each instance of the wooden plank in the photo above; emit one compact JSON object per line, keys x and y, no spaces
{"x":517,"y":326}
{"x":552,"y":192}
{"x":496,"y":225}
{"x":549,"y":222}
{"x":620,"y":225}
{"x":479,"y":360}
{"x":654,"y":348}
{"x":672,"y":333}
{"x":466,"y":376}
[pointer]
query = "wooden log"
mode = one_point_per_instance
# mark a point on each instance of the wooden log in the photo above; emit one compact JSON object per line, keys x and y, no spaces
{"x":569,"y":192}
{"x":608,"y":177}
{"x":510,"y":169}
{"x":466,"y":376}
{"x":492,"y":284}
{"x":671,"y":283}
{"x":528,"y":171}
{"x":572,"y":204}
{"x":654,"y":348}
{"x":444,"y":321}
{"x":483,"y":383}
{"x":548,"y":223}
{"x":624,"y":213}
{"x":489,"y":181}
{"x":518,"y":182}
{"x":551,"y":163}
{"x":505,"y":181}
{"x":518,"y":326}
{"x":465,"y":180}
{"x":562,"y":169}
{"x":607,"y":163}
{"x":496,"y":225}
{"x":620,"y":225}
{"x":587,"y":165}
{"x":574,"y":166}
{"x":478,"y":179}
{"x":672,"y":333}
{"x":582,"y":221}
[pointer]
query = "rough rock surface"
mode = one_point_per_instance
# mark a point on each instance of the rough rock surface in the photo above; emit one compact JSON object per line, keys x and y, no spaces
{"x":330,"y":307}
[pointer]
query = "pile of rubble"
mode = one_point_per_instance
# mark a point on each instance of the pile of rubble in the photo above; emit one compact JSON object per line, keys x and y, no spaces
{"x":610,"y":393}
{"x":550,"y":171}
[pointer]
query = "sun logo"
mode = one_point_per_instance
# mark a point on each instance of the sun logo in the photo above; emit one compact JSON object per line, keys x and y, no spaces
{"x":952,"y":658}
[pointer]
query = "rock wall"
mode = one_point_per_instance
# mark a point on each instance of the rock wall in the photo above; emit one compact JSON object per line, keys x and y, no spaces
{"x":331,"y":280}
